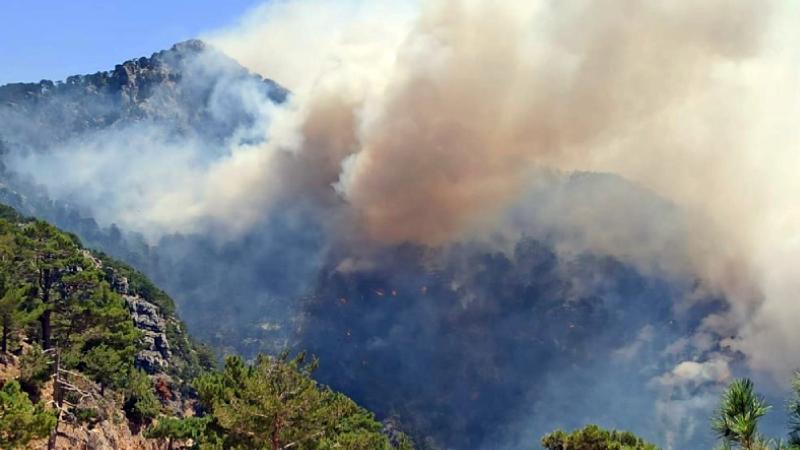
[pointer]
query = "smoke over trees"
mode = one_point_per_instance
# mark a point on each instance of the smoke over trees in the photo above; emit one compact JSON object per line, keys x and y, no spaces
{"x":495,"y":199}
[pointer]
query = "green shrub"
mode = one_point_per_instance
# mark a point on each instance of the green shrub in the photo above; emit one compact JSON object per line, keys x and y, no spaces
{"x":141,"y":404}
{"x":35,"y":368}
{"x":20,"y":420}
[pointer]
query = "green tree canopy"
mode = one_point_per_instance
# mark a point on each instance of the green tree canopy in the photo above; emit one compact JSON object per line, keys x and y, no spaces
{"x":46,"y":255}
{"x":736,"y":419}
{"x":13,"y":316}
{"x":87,"y":330}
{"x":274,"y":404}
{"x":593,"y":437}
{"x":20,"y":420}
{"x":141,"y":403}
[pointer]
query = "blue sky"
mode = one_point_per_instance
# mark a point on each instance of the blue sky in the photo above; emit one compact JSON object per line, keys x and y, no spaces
{"x":53,"y":39}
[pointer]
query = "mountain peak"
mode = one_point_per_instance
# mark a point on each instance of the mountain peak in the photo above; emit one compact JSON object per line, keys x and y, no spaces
{"x":194,"y":45}
{"x":175,"y":87}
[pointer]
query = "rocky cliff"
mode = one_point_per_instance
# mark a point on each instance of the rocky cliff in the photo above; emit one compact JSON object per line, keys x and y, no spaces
{"x":175,"y":87}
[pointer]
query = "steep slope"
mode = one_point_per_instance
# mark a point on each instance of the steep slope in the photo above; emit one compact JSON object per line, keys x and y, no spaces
{"x":100,"y":351}
{"x":174,"y":87}
{"x":104,"y":326}
{"x":188,"y":97}
{"x":166,"y":347}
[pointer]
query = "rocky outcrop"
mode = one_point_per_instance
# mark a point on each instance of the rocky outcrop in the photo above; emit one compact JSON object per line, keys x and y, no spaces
{"x":107,"y":430}
{"x":95,"y":409}
{"x":156,"y":356}
{"x":176,"y":88}
{"x":106,"y":435}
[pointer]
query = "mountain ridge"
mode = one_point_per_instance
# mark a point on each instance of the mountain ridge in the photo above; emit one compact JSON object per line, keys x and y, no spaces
{"x":137,"y":89}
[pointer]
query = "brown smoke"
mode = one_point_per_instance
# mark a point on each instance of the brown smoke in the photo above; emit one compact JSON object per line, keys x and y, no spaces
{"x":427,"y":123}
{"x":483,"y":93}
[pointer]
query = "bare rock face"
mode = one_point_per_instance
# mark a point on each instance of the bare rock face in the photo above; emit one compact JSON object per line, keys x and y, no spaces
{"x":147,"y":318}
{"x":175,"y":87}
{"x":107,"y":435}
{"x":108,"y":429}
{"x":156,"y":356}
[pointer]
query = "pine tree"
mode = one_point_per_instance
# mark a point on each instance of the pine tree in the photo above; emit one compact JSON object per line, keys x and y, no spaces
{"x":141,"y":404}
{"x":175,"y":429}
{"x":105,"y":365}
{"x":48,"y":255}
{"x":275,"y":404}
{"x":12,"y":316}
{"x":94,"y":323}
{"x":794,"y":414}
{"x":35,"y":369}
{"x":736,"y":420}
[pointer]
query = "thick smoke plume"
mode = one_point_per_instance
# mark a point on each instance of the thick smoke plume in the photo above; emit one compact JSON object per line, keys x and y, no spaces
{"x":429,"y":124}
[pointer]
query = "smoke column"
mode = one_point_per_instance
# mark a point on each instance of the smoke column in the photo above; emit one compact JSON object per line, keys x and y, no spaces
{"x":429,"y":119}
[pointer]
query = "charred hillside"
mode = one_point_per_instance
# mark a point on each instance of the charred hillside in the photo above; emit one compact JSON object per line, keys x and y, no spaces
{"x":460,"y":345}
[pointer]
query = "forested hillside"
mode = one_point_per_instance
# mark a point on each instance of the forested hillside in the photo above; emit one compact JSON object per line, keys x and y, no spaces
{"x":94,"y":357}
